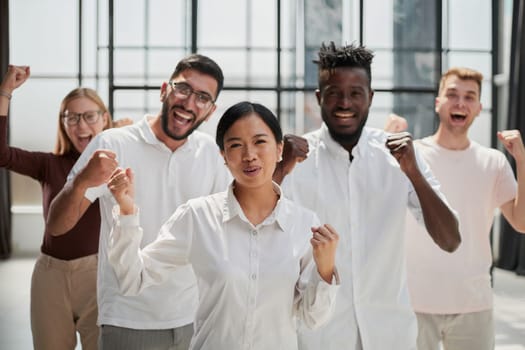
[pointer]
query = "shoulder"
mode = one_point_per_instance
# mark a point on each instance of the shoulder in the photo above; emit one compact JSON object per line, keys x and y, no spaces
{"x":374,"y":137}
{"x":298,"y":212}
{"x":200,"y":137}
{"x":204,"y":207}
{"x":202,"y":140}
{"x":215,"y":200}
{"x":487,"y":154}
{"x":117,"y":135}
{"x":313,"y":137}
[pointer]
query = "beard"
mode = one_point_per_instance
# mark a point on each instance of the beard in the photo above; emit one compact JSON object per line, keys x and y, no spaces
{"x":344,"y":138}
{"x":165,"y":118}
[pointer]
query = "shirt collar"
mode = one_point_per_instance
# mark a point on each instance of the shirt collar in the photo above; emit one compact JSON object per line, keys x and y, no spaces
{"x":336,"y":149}
{"x":281,"y":213}
{"x":149,"y":137}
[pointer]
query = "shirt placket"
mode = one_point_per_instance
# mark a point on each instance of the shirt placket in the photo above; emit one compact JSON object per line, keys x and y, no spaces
{"x":253,"y":280}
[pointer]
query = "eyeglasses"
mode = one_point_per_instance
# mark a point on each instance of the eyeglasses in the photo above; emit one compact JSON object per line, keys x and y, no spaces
{"x":72,"y":119}
{"x":183,"y":91}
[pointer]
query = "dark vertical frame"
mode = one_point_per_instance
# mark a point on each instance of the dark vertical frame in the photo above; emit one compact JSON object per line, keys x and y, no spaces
{"x":194,"y":25}
{"x":111,"y":49}
{"x":80,"y":68}
{"x":495,"y":69}
{"x":512,"y":244}
{"x":279,"y":52}
{"x":5,"y":181}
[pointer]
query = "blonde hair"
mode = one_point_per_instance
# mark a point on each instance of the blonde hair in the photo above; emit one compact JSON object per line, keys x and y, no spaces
{"x":64,"y":144}
{"x":463,"y":74}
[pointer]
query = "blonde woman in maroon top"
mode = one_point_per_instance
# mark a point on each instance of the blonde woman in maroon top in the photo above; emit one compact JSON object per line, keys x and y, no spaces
{"x":63,"y":285}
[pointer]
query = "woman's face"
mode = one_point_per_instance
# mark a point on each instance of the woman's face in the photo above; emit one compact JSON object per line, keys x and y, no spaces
{"x":251,"y":151}
{"x":83,"y":121}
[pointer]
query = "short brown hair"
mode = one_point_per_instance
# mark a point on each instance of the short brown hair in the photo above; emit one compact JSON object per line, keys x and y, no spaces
{"x":463,"y":74}
{"x":63,"y":144}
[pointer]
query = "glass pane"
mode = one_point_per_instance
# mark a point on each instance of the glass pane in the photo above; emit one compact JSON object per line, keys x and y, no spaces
{"x":323,"y":23}
{"x":129,"y":28}
{"x":132,"y":104}
{"x":470,"y":24}
{"x":49,"y":44}
{"x":289,"y":18}
{"x":417,"y":108}
{"x":299,"y":113}
{"x":379,"y":11}
{"x":291,"y":73}
{"x":168,"y":23}
{"x":161,"y":64}
{"x":263,"y":23}
{"x":233,"y":64}
{"x":90,"y":32}
{"x":415,"y":69}
{"x":263,"y":68}
{"x":129,"y":67}
{"x":221,"y":25}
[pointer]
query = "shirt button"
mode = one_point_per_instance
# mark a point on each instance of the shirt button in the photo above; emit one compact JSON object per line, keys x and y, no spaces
{"x":254,"y":254}
{"x":254,"y":276}
{"x":254,"y":232}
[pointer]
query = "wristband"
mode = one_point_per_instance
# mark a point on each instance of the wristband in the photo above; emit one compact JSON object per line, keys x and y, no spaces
{"x":6,"y":94}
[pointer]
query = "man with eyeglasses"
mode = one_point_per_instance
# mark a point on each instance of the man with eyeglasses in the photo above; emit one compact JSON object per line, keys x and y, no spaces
{"x":172,"y":163}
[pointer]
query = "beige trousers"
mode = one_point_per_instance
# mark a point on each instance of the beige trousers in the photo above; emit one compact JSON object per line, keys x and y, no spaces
{"x":470,"y":331}
{"x":64,"y":302}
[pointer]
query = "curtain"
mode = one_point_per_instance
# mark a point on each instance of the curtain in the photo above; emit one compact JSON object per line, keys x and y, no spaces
{"x":512,"y":243}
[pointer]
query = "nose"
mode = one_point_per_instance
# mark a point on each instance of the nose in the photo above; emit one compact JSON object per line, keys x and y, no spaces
{"x":344,"y":101}
{"x":81,"y":123}
{"x":461,"y":102}
{"x":248,"y":154}
{"x":190,"y":101}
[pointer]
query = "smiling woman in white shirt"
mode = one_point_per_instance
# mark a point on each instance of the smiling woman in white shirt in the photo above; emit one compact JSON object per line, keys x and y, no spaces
{"x":261,"y":261}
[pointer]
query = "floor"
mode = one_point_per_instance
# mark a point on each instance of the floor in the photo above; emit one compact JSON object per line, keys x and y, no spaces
{"x":15,"y":332}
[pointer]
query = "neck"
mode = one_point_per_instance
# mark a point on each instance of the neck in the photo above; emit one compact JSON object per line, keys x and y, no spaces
{"x":450,"y":139}
{"x":156,"y":127}
{"x":256,"y":203}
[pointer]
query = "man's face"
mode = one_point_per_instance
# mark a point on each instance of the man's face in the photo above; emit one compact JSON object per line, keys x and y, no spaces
{"x":181,"y":116}
{"x":345,"y":98}
{"x":458,"y":104}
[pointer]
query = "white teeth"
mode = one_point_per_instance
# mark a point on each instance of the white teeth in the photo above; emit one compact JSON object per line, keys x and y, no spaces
{"x":186,"y":117}
{"x":344,"y":115}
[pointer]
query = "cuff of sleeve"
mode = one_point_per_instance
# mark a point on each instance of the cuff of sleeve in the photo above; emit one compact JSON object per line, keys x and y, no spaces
{"x":335,"y":278}
{"x":125,"y":220}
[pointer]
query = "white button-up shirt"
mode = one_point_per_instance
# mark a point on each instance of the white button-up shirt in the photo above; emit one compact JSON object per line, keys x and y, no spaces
{"x":163,"y":181}
{"x":366,"y":202}
{"x":253,"y":281}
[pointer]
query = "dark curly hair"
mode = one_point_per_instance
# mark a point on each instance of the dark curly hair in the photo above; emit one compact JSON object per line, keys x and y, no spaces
{"x":331,"y":57}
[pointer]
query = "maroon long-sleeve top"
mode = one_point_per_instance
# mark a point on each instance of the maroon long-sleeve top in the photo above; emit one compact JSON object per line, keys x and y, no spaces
{"x":51,"y":171}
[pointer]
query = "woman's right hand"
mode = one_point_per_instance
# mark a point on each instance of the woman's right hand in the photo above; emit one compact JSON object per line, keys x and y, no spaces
{"x":121,"y":186}
{"x":15,"y":76}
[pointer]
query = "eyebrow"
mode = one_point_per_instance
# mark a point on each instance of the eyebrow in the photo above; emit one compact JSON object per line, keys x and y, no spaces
{"x":468,"y":92}
{"x":236,"y":138}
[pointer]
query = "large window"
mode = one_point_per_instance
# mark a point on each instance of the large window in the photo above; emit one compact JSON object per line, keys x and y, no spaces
{"x":126,"y":49}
